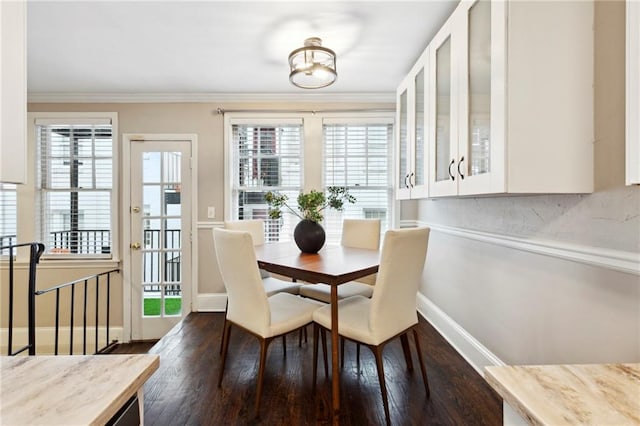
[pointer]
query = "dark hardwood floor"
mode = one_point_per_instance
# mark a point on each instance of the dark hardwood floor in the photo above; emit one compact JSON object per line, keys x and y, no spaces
{"x":184,"y":390}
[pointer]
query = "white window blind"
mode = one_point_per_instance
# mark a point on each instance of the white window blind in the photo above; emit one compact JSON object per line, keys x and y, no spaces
{"x":8,"y":216}
{"x":358,"y":155}
{"x":266,"y":157}
{"x":75,"y":185}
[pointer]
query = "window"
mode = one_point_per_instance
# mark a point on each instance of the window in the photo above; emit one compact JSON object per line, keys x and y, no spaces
{"x":357,"y":154}
{"x":266,"y":156}
{"x":75,"y":185}
{"x":8,"y":216}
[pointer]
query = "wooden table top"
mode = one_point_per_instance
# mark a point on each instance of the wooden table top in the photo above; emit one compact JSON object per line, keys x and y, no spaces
{"x":333,"y":264}
{"x":69,"y":389}
{"x":589,"y":394}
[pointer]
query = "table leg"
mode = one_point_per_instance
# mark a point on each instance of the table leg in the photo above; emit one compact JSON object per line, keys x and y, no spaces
{"x":335,"y":378}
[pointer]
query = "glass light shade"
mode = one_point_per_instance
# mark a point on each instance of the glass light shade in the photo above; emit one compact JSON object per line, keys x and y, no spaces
{"x":312,"y":66}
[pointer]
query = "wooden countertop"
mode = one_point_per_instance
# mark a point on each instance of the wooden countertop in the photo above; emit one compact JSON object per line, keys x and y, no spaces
{"x":590,"y":394}
{"x":70,"y":390}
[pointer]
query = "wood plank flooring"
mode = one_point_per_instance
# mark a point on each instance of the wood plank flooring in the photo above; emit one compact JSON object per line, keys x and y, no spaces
{"x":184,"y":390}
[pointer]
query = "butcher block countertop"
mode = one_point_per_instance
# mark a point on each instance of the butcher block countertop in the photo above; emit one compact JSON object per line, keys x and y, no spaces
{"x":70,"y":390}
{"x":590,"y":394}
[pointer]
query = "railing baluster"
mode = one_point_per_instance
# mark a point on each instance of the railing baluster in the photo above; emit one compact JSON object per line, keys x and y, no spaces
{"x":57,"y":320}
{"x":10,"y":300}
{"x":34,"y":258}
{"x":97,"y":305}
{"x":73,"y":290}
{"x":108,"y":302}
{"x":84,"y":321}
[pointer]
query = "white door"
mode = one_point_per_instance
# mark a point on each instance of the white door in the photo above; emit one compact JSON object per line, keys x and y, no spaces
{"x":160,"y":248}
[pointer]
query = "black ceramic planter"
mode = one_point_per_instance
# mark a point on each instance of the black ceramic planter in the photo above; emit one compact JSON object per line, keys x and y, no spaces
{"x":309,"y":236}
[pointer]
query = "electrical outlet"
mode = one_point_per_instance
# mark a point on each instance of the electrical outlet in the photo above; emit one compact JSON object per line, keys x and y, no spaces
{"x":211,"y":213}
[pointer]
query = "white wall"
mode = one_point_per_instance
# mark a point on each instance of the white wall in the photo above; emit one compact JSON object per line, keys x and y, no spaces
{"x":548,"y":278}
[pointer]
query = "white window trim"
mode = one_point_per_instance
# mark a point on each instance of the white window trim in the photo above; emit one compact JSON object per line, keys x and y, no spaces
{"x":27,"y":193}
{"x":313,"y":145}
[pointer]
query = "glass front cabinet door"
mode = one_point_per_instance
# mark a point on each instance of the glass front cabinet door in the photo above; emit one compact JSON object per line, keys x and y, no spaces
{"x":411,"y":175}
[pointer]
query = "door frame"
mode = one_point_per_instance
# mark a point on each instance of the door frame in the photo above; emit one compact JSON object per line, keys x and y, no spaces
{"x":125,"y":194}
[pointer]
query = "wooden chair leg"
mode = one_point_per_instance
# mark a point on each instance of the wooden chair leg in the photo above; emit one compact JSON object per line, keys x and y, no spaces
{"x":284,"y":345}
{"x":404,"y":339}
{"x":342,"y":352}
{"x":324,"y":352}
{"x":300,"y":337}
{"x":226,"y":333}
{"x":358,"y":357}
{"x":225,"y":323}
{"x":377,"y":351}
{"x":315,"y":353}
{"x":422,"y":368}
{"x":264,"y":345}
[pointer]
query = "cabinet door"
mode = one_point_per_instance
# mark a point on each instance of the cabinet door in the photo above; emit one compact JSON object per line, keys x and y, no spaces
{"x":418,"y":151}
{"x":13,"y":91}
{"x":633,"y":93}
{"x":402,"y":145}
{"x":480,"y":166}
{"x":443,"y":133}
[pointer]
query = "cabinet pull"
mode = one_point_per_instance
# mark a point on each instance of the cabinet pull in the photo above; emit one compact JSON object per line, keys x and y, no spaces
{"x":406,"y":185}
{"x":459,"y":163}
{"x":412,"y":184}
{"x":453,"y":160}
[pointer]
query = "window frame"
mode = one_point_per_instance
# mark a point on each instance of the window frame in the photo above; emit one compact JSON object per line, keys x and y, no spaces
{"x":29,"y":194}
{"x":312,"y":145}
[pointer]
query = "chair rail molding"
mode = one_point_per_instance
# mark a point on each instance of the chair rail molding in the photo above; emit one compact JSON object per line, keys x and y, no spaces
{"x":617,"y":260}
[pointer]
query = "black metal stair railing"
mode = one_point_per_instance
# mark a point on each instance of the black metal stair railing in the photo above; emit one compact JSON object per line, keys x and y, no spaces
{"x":84,"y":283}
{"x":35,"y":251}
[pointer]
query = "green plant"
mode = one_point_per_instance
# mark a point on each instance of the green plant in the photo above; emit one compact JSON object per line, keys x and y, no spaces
{"x":311,"y":204}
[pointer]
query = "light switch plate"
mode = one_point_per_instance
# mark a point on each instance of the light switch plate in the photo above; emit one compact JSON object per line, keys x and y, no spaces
{"x":211,"y":212}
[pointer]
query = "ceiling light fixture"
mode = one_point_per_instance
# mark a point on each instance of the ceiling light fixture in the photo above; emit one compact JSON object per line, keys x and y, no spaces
{"x":312,"y":66}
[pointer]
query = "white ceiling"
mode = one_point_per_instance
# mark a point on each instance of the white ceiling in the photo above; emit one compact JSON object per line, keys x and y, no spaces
{"x":221,"y":47}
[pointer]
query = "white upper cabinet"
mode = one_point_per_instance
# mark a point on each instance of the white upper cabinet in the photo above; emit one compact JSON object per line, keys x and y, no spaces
{"x":633,"y":92}
{"x":13,"y":91}
{"x":511,"y":109}
{"x":411,"y":136}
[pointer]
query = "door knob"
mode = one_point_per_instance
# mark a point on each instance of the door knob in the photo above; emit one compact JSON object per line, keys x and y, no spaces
{"x":135,"y":209}
{"x":135,"y":246}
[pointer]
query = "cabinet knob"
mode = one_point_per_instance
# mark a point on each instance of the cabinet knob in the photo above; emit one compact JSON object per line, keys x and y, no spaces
{"x":453,"y":160}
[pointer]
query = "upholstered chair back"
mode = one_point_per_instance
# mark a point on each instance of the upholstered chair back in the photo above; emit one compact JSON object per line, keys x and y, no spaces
{"x":247,"y":301}
{"x":253,"y":226}
{"x":361,"y":233}
{"x":393,"y":304}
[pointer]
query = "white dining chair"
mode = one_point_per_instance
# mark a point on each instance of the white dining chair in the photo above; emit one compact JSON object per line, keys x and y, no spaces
{"x":391,"y":310}
{"x":256,"y":228}
{"x":249,"y":307}
{"x":356,"y":233}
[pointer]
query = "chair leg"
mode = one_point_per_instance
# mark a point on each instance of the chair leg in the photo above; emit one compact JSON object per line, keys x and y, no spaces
{"x":342,"y":352}
{"x":300,"y":337}
{"x":315,"y":353}
{"x":324,"y":352}
{"x":264,"y":345}
{"x":404,"y":339}
{"x":358,"y":357}
{"x":377,"y":351}
{"x":225,"y":323}
{"x":422,"y":368}
{"x":284,"y":345}
{"x":226,"y":333}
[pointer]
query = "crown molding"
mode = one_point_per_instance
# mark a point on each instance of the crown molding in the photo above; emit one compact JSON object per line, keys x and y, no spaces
{"x":89,"y":97}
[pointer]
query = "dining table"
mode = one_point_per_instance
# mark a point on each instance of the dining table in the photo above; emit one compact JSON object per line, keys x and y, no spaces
{"x":332,"y":265}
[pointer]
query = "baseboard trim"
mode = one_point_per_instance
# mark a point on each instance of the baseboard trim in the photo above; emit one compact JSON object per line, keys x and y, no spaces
{"x":211,"y":302}
{"x":476,"y":354}
{"x":617,"y":260}
{"x":45,"y":339}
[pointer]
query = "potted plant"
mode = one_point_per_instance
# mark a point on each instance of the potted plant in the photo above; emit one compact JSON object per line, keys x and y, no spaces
{"x":309,"y":234}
